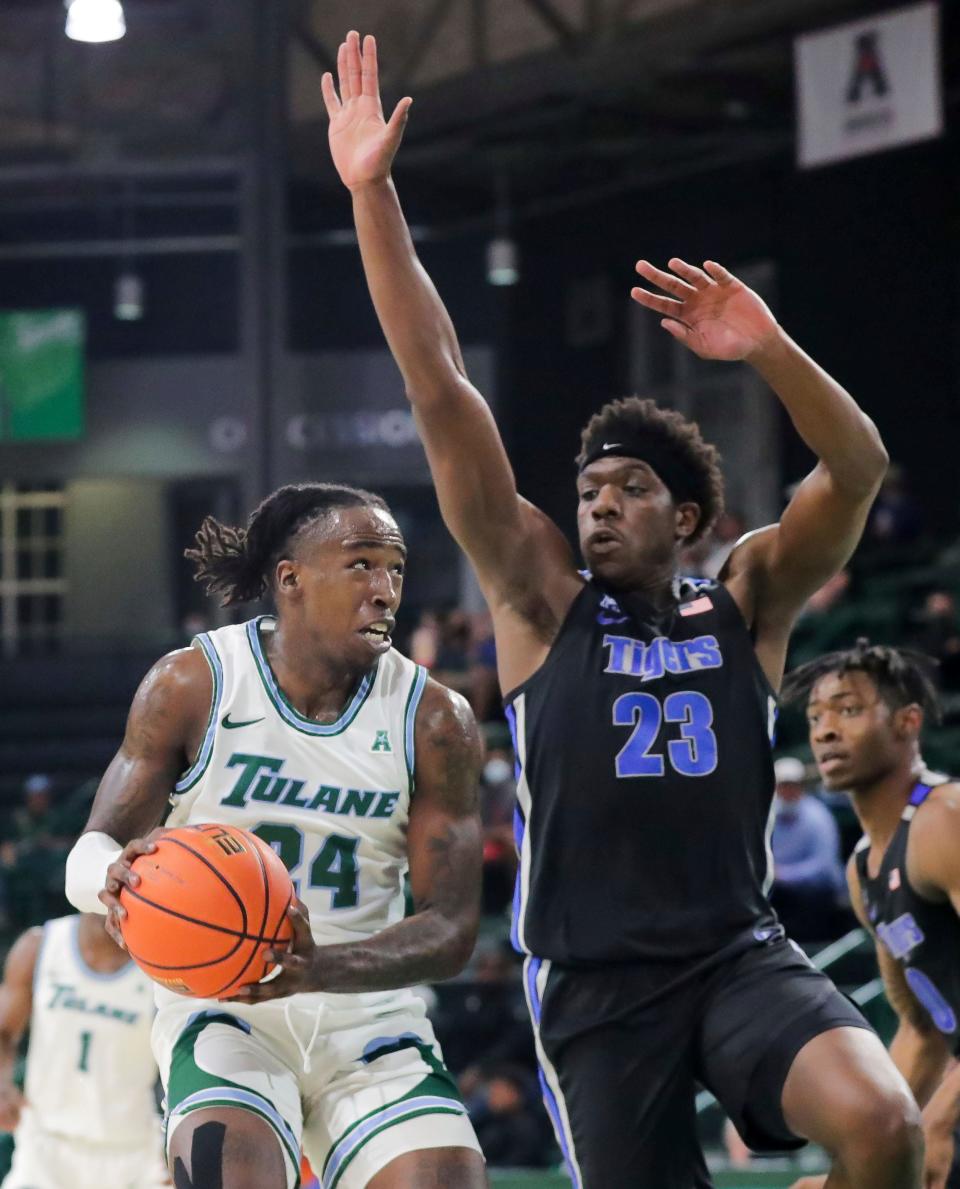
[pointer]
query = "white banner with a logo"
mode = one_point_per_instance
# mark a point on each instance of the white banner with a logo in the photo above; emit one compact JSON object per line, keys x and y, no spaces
{"x":870,"y":85}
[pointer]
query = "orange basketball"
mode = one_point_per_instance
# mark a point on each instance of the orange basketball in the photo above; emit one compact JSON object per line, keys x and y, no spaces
{"x":211,"y":899}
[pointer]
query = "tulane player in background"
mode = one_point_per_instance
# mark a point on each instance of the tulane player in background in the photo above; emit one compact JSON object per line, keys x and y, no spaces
{"x":642,"y":705}
{"x":87,"y":1117}
{"x":866,"y":708}
{"x":310,"y":729}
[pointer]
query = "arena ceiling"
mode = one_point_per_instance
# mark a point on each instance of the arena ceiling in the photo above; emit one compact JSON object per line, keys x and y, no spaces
{"x":547,"y":100}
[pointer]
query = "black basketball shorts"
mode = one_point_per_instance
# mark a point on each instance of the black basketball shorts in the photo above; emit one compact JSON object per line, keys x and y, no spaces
{"x":621,"y":1060}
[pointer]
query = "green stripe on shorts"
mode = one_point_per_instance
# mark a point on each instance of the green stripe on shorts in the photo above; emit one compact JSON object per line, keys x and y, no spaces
{"x":188,"y":1081}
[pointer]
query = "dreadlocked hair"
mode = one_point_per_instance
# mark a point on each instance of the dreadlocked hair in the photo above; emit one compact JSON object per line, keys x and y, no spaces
{"x":238,"y":563}
{"x":902,"y":676}
{"x":634,"y":415}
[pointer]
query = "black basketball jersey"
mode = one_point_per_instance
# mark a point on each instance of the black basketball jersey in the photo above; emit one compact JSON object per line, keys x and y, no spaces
{"x":645,"y":782}
{"x":922,"y":935}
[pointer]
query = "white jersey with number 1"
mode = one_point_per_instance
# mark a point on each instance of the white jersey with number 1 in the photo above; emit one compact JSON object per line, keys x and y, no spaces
{"x":91,"y":1117}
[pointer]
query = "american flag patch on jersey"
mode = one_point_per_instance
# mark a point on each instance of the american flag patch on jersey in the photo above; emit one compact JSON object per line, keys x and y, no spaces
{"x":698,"y":606}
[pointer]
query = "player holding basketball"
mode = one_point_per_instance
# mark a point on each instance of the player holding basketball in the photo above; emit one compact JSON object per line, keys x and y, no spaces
{"x":866,"y":708}
{"x":311,"y":730}
{"x":88,"y":1116}
{"x":641,"y":705}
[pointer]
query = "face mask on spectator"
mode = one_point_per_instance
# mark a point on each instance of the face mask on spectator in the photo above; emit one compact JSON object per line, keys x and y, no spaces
{"x":496,"y":770}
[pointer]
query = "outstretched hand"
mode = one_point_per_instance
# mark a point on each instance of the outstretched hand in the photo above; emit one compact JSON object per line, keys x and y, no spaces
{"x":708,"y":309}
{"x":362,"y":143}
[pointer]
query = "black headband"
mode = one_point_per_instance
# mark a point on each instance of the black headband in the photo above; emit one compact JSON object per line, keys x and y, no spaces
{"x":671,"y":470}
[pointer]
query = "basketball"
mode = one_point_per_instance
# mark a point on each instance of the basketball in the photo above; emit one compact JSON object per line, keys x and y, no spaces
{"x":211,"y":899}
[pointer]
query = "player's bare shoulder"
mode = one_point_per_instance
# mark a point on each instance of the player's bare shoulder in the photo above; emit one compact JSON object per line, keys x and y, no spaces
{"x":175,"y":695}
{"x":449,"y":750}
{"x":933,"y":847}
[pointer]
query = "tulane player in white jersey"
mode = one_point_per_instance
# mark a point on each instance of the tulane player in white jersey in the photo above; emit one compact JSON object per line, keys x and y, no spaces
{"x":87,"y":1116}
{"x":310,"y":729}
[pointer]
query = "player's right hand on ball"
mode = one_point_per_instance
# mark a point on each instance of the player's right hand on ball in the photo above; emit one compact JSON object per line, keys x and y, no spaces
{"x":120,"y":875}
{"x":11,"y":1104}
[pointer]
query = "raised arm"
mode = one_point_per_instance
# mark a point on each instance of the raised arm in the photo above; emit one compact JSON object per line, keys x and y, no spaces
{"x":16,"y":1006}
{"x":515,"y":549}
{"x":774,"y":571}
{"x":444,"y":852}
{"x":164,"y":730}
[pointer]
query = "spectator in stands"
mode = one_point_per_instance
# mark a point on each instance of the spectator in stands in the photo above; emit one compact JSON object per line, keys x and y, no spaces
{"x":485,"y":689}
{"x":938,"y":635}
{"x":452,"y":664}
{"x":32,"y":856}
{"x":895,"y":518}
{"x":505,"y":1110}
{"x":498,"y":794}
{"x":483,"y":1019}
{"x":808,"y":872}
{"x":705,"y":559}
{"x":425,"y":640}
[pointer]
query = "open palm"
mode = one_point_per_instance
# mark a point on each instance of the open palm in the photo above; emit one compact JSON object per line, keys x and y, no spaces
{"x":709,"y":310}
{"x":362,"y":143}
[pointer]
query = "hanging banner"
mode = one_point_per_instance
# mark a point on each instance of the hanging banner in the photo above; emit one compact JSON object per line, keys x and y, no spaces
{"x":41,"y":375}
{"x":870,"y":85}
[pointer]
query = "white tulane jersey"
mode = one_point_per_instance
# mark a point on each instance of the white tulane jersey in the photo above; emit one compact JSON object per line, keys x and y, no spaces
{"x":332,"y":799}
{"x":90,"y":1070}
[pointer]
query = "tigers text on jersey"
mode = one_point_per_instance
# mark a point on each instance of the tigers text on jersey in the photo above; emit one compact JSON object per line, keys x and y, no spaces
{"x":332,"y":799}
{"x":645,"y":781}
{"x":90,"y":1070}
{"x":923,"y":936}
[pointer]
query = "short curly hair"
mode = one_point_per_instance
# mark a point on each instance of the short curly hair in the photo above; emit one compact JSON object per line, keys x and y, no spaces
{"x":635,"y":415}
{"x":902,"y":676}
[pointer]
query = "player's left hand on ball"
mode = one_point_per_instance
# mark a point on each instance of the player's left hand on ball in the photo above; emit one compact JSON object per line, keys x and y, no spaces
{"x":297,"y":963}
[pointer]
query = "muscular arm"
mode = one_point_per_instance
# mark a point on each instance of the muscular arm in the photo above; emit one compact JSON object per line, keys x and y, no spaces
{"x":522,"y":560}
{"x":159,"y":743}
{"x":444,"y":851}
{"x":16,"y":1005}
{"x":772,"y":572}
{"x":164,"y":730}
{"x":918,"y":1049}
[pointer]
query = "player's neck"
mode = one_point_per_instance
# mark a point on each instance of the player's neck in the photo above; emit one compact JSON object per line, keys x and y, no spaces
{"x":880,"y":805}
{"x":316,"y":684}
{"x":658,"y":590}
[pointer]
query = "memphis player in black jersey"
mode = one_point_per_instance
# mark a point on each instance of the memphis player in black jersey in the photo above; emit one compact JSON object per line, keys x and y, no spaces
{"x":642,"y":706}
{"x":866,"y":708}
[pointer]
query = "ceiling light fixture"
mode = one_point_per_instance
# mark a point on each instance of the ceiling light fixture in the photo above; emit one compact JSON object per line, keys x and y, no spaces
{"x":95,"y":20}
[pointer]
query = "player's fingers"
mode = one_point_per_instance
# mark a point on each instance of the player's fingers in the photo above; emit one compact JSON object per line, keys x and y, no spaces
{"x":330,"y":97}
{"x":656,"y":302}
{"x":300,"y":920}
{"x":369,"y":81}
{"x":354,"y":64}
{"x":119,"y":875}
{"x":677,"y":329}
{"x":343,"y":75}
{"x":398,"y":121}
{"x":718,"y":273}
{"x":696,"y":276}
{"x":665,"y":280}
